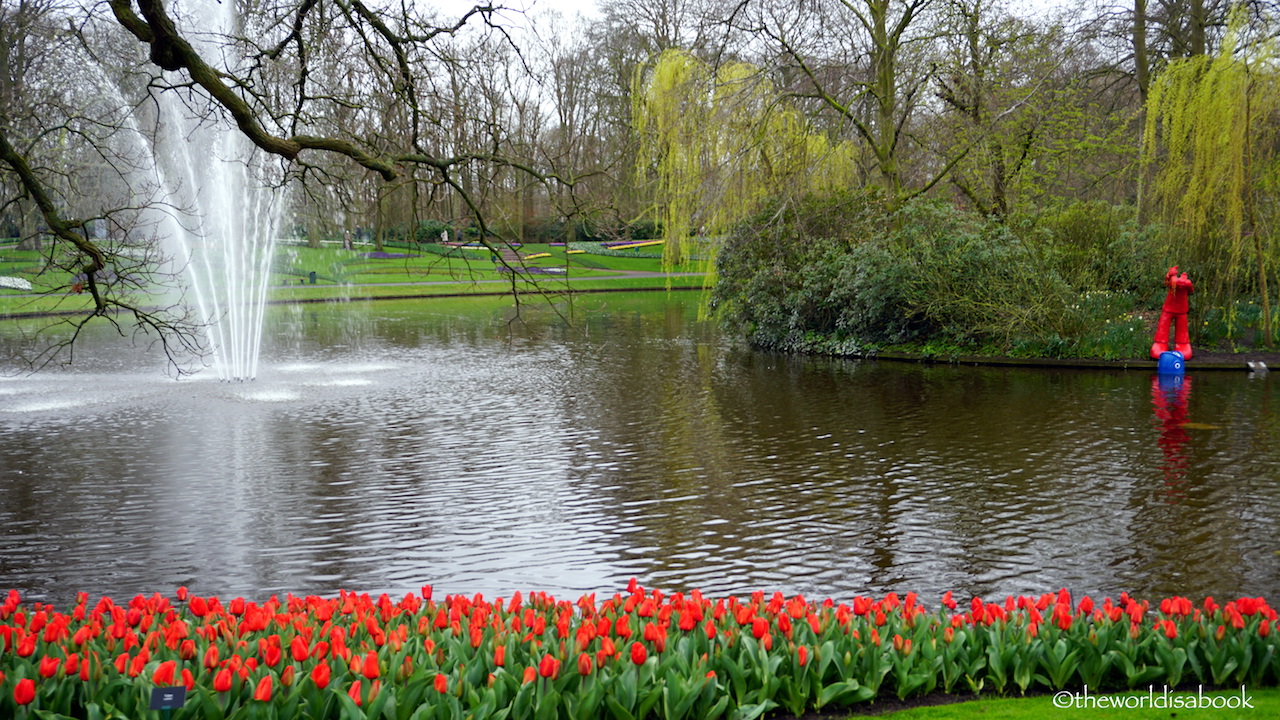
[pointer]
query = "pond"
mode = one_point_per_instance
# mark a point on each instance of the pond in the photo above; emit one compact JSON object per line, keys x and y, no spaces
{"x":458,"y":443}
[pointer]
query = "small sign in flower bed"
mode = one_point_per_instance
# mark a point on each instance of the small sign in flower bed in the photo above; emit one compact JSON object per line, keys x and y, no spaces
{"x":633,"y":655}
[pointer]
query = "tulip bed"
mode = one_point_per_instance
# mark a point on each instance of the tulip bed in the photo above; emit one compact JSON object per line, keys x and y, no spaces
{"x":637,"y":654}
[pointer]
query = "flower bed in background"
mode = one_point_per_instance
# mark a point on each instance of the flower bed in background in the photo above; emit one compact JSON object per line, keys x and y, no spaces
{"x":635,"y":654}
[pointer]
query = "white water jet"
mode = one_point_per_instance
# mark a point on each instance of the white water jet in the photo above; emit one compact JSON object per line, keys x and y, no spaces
{"x":223,"y":207}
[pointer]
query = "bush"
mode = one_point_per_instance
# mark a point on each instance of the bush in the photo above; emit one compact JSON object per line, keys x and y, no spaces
{"x":845,"y":268}
{"x":779,"y":272}
{"x":1099,"y":246}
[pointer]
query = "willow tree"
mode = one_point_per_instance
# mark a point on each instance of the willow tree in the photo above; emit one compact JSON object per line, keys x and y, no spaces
{"x":1211,"y":134}
{"x":715,"y":142}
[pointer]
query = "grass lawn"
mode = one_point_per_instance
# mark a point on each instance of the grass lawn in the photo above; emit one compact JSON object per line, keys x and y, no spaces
{"x":349,"y":274}
{"x":1265,"y":701}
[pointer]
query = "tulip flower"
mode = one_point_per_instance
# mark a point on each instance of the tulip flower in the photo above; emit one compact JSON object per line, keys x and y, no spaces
{"x":163,"y":676}
{"x":49,"y":666}
{"x":638,"y":653}
{"x":549,"y":667}
{"x":320,"y":675}
{"x":263,"y":691}
{"x":530,"y":674}
{"x":354,"y":693}
{"x":25,"y":691}
{"x":299,"y":649}
{"x":222,"y":681}
{"x":370,"y":666}
{"x":442,"y":683}
{"x":759,"y":626}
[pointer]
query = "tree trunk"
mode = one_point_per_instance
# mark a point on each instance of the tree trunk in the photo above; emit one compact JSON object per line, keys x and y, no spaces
{"x":884,"y":64}
{"x":1142,"y":74}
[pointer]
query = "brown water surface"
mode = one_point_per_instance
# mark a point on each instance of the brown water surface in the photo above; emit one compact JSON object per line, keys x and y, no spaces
{"x":384,"y":446}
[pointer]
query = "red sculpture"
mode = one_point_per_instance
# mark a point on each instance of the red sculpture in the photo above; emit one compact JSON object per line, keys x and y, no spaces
{"x":1175,"y":310}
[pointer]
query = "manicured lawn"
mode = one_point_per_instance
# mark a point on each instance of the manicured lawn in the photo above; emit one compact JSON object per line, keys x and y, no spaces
{"x":348,"y":274}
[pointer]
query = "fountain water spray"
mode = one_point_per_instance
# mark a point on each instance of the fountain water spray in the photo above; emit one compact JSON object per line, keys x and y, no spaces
{"x":225,"y":210}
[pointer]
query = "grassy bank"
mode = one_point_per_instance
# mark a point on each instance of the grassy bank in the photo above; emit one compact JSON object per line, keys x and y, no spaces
{"x":426,"y":271}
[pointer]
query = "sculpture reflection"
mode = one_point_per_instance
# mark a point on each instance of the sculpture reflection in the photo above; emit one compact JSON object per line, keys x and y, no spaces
{"x":1169,"y":395}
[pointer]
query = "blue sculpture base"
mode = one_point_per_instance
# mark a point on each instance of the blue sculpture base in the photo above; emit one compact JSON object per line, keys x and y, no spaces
{"x":1171,"y":363}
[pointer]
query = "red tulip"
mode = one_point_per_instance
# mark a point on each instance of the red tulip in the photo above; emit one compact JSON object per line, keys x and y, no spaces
{"x":163,"y":676}
{"x":530,"y":674}
{"x":354,"y":692}
{"x":442,"y":683}
{"x":500,"y":655}
{"x":320,"y":675}
{"x":286,"y":676}
{"x":188,"y":679}
{"x":73,"y":665}
{"x":25,"y":691}
{"x":211,"y":657}
{"x":584,"y":664}
{"x":638,"y":653}
{"x":370,"y":666}
{"x":263,"y":691}
{"x":82,"y":635}
{"x":549,"y":667}
{"x":802,"y":654}
{"x":49,"y":666}
{"x":299,"y":649}
{"x":222,"y":681}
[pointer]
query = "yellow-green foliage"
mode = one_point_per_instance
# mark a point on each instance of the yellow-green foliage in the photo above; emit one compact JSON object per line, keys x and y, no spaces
{"x":1209,"y":133}
{"x":716,"y":141}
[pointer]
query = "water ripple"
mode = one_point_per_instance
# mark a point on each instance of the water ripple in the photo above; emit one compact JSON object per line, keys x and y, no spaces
{"x":571,"y":461}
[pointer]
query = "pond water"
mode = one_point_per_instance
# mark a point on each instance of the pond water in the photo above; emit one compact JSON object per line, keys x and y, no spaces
{"x":386,"y":445}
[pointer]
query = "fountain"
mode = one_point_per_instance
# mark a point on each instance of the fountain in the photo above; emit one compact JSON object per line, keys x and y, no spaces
{"x":222,"y":210}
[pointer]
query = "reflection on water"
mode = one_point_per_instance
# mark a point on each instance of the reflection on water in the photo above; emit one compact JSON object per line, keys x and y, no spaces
{"x":388,"y":445}
{"x":1169,"y":394}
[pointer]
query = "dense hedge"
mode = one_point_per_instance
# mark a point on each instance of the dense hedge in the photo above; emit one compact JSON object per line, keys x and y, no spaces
{"x":846,"y":274}
{"x":636,"y":654}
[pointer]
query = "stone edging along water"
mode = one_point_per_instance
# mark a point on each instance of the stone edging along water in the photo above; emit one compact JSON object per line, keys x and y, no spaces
{"x":1214,"y":363}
